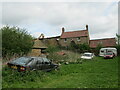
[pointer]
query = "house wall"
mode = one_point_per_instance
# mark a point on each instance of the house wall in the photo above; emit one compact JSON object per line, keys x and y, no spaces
{"x":67,"y":43}
{"x":50,"y":41}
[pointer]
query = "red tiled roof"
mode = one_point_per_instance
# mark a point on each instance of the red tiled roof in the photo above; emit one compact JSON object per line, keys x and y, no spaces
{"x":74,"y":34}
{"x":108,"y":42}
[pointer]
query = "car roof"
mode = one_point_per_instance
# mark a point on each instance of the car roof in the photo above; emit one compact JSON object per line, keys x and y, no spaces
{"x":108,"y":48}
{"x":88,"y":53}
{"x":32,"y":57}
{"x":109,"y":52}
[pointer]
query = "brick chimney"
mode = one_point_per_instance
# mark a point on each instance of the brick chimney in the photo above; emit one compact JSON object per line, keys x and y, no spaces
{"x":63,"y":30}
{"x":86,"y":27}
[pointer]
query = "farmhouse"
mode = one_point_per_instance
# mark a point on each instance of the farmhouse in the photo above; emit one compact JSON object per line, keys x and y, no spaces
{"x":66,"y":38}
{"x":78,"y":37}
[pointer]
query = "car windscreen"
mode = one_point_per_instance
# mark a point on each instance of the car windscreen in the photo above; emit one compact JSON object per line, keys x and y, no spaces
{"x":45,"y":60}
{"x":21,"y":61}
{"x":88,"y":55}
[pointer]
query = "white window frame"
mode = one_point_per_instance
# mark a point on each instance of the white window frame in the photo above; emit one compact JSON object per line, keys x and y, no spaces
{"x":78,"y":39}
{"x":65,"y":40}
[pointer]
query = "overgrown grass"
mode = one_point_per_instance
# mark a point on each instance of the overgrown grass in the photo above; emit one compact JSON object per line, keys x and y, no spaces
{"x":68,"y":57}
{"x":97,"y":73}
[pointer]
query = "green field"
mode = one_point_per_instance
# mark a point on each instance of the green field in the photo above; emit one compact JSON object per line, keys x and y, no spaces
{"x":97,"y":73}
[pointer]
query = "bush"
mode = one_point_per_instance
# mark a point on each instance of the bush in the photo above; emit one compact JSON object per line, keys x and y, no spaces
{"x":57,"y":58}
{"x":118,"y":49}
{"x":15,"y":41}
{"x":13,"y":76}
{"x":97,"y":49}
{"x":52,"y":49}
{"x":79,"y":47}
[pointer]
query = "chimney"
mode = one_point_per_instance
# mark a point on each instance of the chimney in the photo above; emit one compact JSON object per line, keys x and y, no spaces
{"x":86,"y":27}
{"x":63,"y":30}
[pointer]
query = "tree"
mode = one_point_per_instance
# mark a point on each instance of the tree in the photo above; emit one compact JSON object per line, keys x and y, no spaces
{"x":118,"y":39}
{"x":83,"y":47}
{"x":15,"y":41}
{"x":118,"y":44}
{"x":79,"y":47}
{"x":97,"y":49}
{"x":0,"y":44}
{"x":72,"y":46}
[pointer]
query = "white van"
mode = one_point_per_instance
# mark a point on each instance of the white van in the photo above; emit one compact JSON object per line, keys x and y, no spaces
{"x":103,"y":51}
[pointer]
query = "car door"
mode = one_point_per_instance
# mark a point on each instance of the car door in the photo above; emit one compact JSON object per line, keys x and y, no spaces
{"x":39,"y":64}
{"x":46,"y":63}
{"x":32,"y":63}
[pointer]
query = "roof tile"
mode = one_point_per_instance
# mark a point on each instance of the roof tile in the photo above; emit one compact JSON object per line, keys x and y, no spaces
{"x":108,"y":42}
{"x":74,"y":34}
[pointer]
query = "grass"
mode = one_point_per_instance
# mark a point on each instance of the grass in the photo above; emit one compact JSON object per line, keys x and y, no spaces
{"x":97,"y":73}
{"x":68,"y":57}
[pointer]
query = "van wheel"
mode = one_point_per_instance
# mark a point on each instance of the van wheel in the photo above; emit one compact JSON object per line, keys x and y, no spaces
{"x":113,"y":54}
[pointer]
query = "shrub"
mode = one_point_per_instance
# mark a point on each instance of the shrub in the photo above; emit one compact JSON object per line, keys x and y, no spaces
{"x":79,"y":47}
{"x":97,"y":49}
{"x":52,"y":49}
{"x":15,"y":41}
{"x":118,"y":49}
{"x":57,"y":58}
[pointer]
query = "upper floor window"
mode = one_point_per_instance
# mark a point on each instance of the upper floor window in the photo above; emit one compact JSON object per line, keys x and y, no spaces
{"x":100,"y":42}
{"x":78,"y":39}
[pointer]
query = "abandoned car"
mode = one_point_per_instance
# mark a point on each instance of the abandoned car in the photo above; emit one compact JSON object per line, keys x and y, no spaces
{"x":32,"y":63}
{"x":87,"y":56}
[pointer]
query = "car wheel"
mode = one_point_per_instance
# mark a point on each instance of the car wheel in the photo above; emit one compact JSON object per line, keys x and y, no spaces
{"x":56,"y":69}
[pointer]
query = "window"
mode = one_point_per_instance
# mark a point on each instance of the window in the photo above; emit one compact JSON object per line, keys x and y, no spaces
{"x":47,"y":63}
{"x":109,"y":51}
{"x":102,"y":51}
{"x":65,"y":40}
{"x":78,"y":39}
{"x":100,"y":42}
{"x":39,"y":62}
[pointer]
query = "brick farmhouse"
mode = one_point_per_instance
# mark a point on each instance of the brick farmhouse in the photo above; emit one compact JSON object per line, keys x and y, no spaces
{"x":78,"y":37}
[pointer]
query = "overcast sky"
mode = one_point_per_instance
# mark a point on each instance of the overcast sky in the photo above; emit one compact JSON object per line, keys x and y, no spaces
{"x":48,"y":18}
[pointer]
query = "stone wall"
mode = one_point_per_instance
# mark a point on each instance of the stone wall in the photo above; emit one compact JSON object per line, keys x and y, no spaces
{"x":82,"y":40}
{"x":50,"y":41}
{"x":35,"y":52}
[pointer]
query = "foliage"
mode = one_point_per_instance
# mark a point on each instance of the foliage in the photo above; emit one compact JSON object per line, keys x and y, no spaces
{"x":98,"y":73}
{"x":118,"y":39}
{"x":11,"y":76}
{"x":0,"y":43}
{"x":83,"y":47}
{"x":52,"y":49}
{"x":79,"y":47}
{"x":118,"y":44}
{"x":56,"y":57}
{"x":97,"y":49}
{"x":118,"y":49}
{"x":15,"y":41}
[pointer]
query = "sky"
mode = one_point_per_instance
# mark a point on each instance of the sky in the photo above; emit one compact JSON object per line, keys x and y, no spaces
{"x":49,"y":17}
